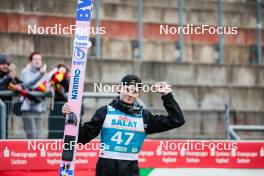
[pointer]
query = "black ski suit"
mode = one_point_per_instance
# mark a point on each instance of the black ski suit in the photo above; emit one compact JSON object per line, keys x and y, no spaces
{"x":153,"y":123}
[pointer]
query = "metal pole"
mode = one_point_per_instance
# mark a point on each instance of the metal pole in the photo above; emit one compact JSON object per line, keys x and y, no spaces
{"x":233,"y":134}
{"x":220,"y":36}
{"x":181,"y":39}
{"x":2,"y":120}
{"x":258,"y":36}
{"x":97,"y":24}
{"x":227,"y":121}
{"x":140,"y":28}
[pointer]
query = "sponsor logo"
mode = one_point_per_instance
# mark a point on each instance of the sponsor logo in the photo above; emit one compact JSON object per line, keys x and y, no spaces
{"x":120,"y":149}
{"x":79,"y":56}
{"x":134,"y":150}
{"x":78,"y":53}
{"x":75,"y":85}
{"x":82,"y":41}
{"x":84,"y":10}
{"x":124,"y":122}
{"x":124,"y":118}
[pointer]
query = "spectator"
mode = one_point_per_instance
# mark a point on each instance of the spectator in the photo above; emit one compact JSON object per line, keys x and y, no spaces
{"x":32,"y":113}
{"x":60,"y":84}
{"x":7,"y":77}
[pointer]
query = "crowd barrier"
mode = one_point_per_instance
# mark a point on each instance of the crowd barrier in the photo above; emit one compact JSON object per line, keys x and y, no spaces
{"x":39,"y":157}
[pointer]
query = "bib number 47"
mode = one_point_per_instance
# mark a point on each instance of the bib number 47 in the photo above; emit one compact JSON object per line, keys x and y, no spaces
{"x":119,"y":136}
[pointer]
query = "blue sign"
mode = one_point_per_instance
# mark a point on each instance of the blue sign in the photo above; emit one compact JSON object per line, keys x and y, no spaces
{"x":84,"y":10}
